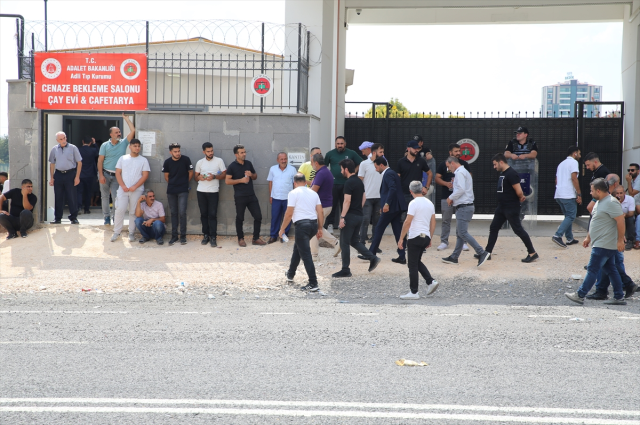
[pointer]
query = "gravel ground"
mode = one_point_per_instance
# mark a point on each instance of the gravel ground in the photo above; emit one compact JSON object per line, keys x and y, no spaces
{"x":73,"y":258}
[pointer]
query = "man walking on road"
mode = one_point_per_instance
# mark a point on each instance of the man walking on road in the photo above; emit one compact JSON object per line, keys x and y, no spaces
{"x":305,"y":210}
{"x":323,"y":185}
{"x":462,"y":200}
{"x":65,"y":169}
{"x":209,"y":171}
{"x":332,"y":159}
{"x":606,"y":231}
{"x":351,"y":219}
{"x":108,"y":156}
{"x":445,"y":179}
{"x":131,"y":172}
{"x":418,"y":227}
{"x":178,"y":172}
{"x":372,"y":181}
{"x":568,"y":196}
{"x":280,"y":180}
{"x":509,"y":198}
{"x":240,"y":175}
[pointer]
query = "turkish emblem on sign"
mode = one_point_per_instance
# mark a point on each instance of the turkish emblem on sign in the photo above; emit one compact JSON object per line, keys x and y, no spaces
{"x":262,"y":85}
{"x":469,"y":150}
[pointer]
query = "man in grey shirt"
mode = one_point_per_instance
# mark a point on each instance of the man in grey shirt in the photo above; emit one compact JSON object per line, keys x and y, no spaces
{"x":66,"y":164}
{"x":606,"y":231}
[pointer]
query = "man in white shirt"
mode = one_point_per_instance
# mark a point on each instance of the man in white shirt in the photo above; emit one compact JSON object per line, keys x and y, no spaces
{"x":131,"y":172}
{"x":628,"y":211}
{"x":462,"y":199}
{"x":209,"y":171}
{"x":372,"y":181}
{"x":568,"y":196}
{"x":418,"y":227}
{"x":633,"y":187}
{"x":305,"y":210}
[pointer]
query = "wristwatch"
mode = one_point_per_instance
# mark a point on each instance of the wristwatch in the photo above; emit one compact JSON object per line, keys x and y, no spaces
{"x":342,"y":217}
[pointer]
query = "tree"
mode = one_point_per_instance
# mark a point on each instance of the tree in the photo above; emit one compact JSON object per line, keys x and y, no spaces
{"x":4,"y":149}
{"x":397,"y":110}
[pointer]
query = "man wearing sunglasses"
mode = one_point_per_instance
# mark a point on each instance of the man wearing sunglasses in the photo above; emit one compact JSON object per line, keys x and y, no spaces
{"x":633,"y":187}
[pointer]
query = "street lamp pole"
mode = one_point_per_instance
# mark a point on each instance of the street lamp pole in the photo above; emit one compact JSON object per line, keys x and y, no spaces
{"x":45,"y":26}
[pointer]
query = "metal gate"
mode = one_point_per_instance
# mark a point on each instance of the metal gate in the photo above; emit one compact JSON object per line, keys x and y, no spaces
{"x":552,"y":135}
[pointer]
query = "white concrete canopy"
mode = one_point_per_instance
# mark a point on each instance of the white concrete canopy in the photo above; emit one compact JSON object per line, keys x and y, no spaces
{"x":329,"y":20}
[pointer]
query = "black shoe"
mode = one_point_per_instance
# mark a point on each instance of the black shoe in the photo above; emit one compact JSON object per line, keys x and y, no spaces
{"x":87,"y":212}
{"x":362,"y":257}
{"x":374,"y":263}
{"x":143,"y":240}
{"x":173,"y":240}
{"x":477,"y":257}
{"x":310,"y":288}
{"x":484,"y":257}
{"x":341,"y":273}
{"x":572,"y":242}
{"x":205,"y":240}
{"x":530,"y":258}
{"x":213,"y":243}
{"x":75,"y":221}
{"x":628,"y":292}
{"x":183,"y":240}
{"x":378,"y":251}
{"x":11,"y":236}
{"x":616,"y":302}
{"x":55,"y":222}
{"x":558,"y":241}
{"x":598,"y":296}
{"x":160,"y":241}
{"x":585,"y":267}
{"x":399,"y":260}
{"x":24,"y":235}
{"x":450,"y":260}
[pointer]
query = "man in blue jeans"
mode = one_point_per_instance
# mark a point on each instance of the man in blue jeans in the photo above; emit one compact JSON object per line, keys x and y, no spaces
{"x":150,"y":218}
{"x":606,"y":231}
{"x":568,"y":196}
{"x":178,"y":172}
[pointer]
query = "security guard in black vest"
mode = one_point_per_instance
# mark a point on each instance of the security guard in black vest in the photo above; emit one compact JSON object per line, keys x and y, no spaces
{"x":521,"y":146}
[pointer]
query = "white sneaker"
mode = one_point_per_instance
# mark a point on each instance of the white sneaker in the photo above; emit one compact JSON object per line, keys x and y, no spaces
{"x":131,"y":237}
{"x":465,"y":247}
{"x":330,"y":228}
{"x":410,"y":296}
{"x":442,"y":246}
{"x":432,"y":288}
{"x":337,"y":249}
{"x":115,"y":237}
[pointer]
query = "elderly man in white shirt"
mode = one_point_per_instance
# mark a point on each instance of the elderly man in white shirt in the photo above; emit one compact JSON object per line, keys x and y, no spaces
{"x":462,"y":200}
{"x":305,"y":210}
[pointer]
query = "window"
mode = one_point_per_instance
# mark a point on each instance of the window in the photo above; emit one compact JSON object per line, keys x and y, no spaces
{"x":565,"y":89}
{"x":565,"y":101}
{"x":565,"y":95}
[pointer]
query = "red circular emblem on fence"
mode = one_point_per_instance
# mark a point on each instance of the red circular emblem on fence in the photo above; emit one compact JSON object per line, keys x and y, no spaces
{"x":261,"y":85}
{"x":469,"y":150}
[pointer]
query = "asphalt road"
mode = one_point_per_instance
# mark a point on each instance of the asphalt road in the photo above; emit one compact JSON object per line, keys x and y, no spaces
{"x":514,"y":353}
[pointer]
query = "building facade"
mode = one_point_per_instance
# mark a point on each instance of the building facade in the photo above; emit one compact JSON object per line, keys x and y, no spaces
{"x":559,"y":99}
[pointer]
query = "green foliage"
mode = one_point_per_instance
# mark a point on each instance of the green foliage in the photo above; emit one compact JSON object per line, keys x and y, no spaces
{"x":4,"y":149}
{"x":398,"y":110}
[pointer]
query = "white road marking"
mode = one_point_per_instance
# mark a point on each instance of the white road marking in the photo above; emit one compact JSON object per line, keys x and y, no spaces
{"x":61,"y":312}
{"x":629,"y":318}
{"x":601,"y":352}
{"x":323,"y":404}
{"x":549,"y":315}
{"x":309,"y":413}
{"x":274,"y":313}
{"x":43,"y":342}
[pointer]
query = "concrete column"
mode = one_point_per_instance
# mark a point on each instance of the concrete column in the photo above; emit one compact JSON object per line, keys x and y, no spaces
{"x":631,"y":84}
{"x":25,"y":157}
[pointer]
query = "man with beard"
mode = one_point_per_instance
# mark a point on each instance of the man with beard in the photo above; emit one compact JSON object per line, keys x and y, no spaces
{"x":209,"y":171}
{"x":445,"y":178}
{"x":372,"y":181}
{"x":633,"y":187}
{"x":178,"y":172}
{"x":509,"y":198}
{"x":599,"y":171}
{"x":332,"y":159}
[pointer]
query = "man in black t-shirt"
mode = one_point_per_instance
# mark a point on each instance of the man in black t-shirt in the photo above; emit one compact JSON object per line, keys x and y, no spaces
{"x":521,"y":146}
{"x":351,"y":220}
{"x":20,"y":216}
{"x":240,"y":175}
{"x":4,"y":177}
{"x":509,"y":198}
{"x":410,"y":168}
{"x":444,"y":178}
{"x":178,"y":172}
{"x":599,"y":171}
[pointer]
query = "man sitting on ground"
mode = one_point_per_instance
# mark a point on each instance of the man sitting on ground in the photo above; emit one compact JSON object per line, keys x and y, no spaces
{"x":20,"y":216}
{"x":150,"y":218}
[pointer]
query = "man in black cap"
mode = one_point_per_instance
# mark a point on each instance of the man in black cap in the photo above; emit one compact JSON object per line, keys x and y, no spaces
{"x":521,"y":146}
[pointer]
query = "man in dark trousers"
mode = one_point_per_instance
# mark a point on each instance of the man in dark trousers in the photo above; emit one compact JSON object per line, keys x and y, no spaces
{"x":178,"y":172}
{"x":20,"y":216}
{"x":65,"y":169}
{"x":351,"y":220}
{"x":393,"y":205}
{"x":509,"y":198}
{"x":88,"y":175}
{"x":240,"y":175}
{"x":332,"y":159}
{"x":598,"y":171}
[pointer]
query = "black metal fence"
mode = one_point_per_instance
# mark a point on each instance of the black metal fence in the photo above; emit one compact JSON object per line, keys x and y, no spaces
{"x":552,"y":135}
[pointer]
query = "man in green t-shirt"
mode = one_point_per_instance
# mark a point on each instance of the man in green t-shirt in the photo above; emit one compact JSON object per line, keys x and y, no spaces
{"x":332,"y":160}
{"x":606,"y":231}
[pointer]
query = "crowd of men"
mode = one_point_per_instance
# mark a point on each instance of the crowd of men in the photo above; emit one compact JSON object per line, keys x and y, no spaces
{"x":340,"y":184}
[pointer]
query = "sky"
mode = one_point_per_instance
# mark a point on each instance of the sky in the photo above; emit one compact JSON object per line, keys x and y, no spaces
{"x":473,"y":68}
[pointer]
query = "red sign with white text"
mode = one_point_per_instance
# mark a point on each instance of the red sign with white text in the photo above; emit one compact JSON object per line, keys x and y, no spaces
{"x":100,"y":81}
